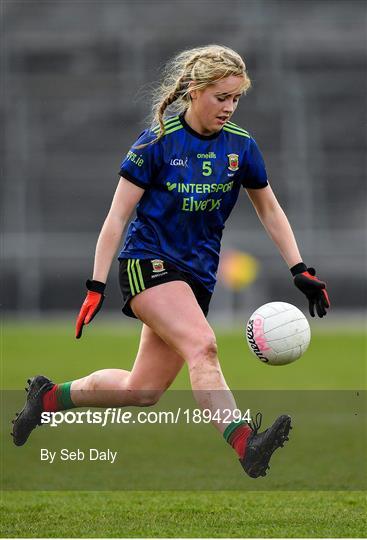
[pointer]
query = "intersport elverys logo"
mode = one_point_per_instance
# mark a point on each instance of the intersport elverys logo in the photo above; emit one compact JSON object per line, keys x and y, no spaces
{"x":179,"y":162}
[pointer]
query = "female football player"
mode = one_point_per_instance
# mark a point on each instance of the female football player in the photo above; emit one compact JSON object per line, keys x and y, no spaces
{"x":182,"y":177}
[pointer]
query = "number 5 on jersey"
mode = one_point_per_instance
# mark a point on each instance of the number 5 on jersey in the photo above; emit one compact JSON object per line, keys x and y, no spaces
{"x":207,"y":168}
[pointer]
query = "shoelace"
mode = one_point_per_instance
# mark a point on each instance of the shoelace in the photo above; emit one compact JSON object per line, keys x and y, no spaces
{"x":255,"y":424}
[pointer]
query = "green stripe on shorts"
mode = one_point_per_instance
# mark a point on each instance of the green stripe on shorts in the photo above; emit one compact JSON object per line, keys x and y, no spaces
{"x":135,"y":279}
{"x":140,"y":275}
{"x":130,"y":278}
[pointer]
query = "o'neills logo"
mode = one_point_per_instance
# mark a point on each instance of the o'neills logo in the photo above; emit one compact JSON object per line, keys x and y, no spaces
{"x":256,"y":338}
{"x":158,"y":265}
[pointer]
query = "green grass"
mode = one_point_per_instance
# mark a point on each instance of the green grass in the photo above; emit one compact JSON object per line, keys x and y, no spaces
{"x":334,"y":361}
{"x":170,"y":514}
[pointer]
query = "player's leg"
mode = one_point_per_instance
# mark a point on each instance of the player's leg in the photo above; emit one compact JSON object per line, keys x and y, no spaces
{"x":155,"y":368}
{"x":172,"y":311}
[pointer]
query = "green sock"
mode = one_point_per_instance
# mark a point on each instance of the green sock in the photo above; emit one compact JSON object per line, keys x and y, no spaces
{"x":58,"y":398}
{"x":63,"y":396}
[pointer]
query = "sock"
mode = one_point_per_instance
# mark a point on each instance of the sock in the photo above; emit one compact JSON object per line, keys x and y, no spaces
{"x":58,"y":398}
{"x":236,"y":434}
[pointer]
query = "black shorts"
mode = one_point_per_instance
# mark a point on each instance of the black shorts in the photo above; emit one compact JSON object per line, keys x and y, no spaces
{"x":136,"y":275}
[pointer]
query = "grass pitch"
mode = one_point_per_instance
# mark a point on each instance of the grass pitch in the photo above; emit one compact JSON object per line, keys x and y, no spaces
{"x":187,"y":514}
{"x":335,"y":361}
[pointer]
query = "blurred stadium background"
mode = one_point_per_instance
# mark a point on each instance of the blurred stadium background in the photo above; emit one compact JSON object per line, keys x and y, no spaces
{"x":75,"y":76}
{"x":75,"y":81}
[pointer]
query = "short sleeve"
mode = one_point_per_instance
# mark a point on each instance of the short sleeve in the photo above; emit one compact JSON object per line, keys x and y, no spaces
{"x":254,"y":174}
{"x":140,"y":165}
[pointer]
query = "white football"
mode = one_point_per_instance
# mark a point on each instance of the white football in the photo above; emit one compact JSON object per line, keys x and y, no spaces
{"x":278,"y":333}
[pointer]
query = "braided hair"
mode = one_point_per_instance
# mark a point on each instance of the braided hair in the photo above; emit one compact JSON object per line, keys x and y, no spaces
{"x":193,"y":69}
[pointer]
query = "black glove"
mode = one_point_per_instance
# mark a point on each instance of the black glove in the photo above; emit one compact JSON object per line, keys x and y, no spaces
{"x":306,"y":281}
{"x":91,"y":305}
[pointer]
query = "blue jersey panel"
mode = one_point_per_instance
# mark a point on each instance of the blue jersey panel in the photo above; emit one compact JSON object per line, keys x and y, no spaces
{"x":191,"y":185}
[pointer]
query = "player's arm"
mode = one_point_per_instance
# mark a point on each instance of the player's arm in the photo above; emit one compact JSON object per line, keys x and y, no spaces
{"x":278,"y":228}
{"x":275,"y":223}
{"x":126,"y":197}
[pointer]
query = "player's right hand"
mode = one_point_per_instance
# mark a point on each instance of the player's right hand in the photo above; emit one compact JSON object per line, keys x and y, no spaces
{"x":91,"y":305}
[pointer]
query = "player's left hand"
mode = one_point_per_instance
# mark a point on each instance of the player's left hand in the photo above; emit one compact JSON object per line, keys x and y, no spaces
{"x":306,"y":281}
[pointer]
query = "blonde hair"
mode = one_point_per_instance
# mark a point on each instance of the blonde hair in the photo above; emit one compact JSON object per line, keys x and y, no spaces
{"x":201,"y":67}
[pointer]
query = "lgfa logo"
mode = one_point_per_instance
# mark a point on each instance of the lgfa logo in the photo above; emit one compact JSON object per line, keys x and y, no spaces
{"x":178,"y":162}
{"x":233,"y":162}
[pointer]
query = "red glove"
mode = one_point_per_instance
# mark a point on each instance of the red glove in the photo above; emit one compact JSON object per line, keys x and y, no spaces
{"x":91,"y":305}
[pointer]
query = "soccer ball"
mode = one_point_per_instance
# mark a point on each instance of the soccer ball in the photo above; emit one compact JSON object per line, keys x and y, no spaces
{"x":278,"y":333}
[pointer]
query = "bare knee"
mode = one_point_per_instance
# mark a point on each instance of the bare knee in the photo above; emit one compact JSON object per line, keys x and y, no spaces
{"x":204,"y":351}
